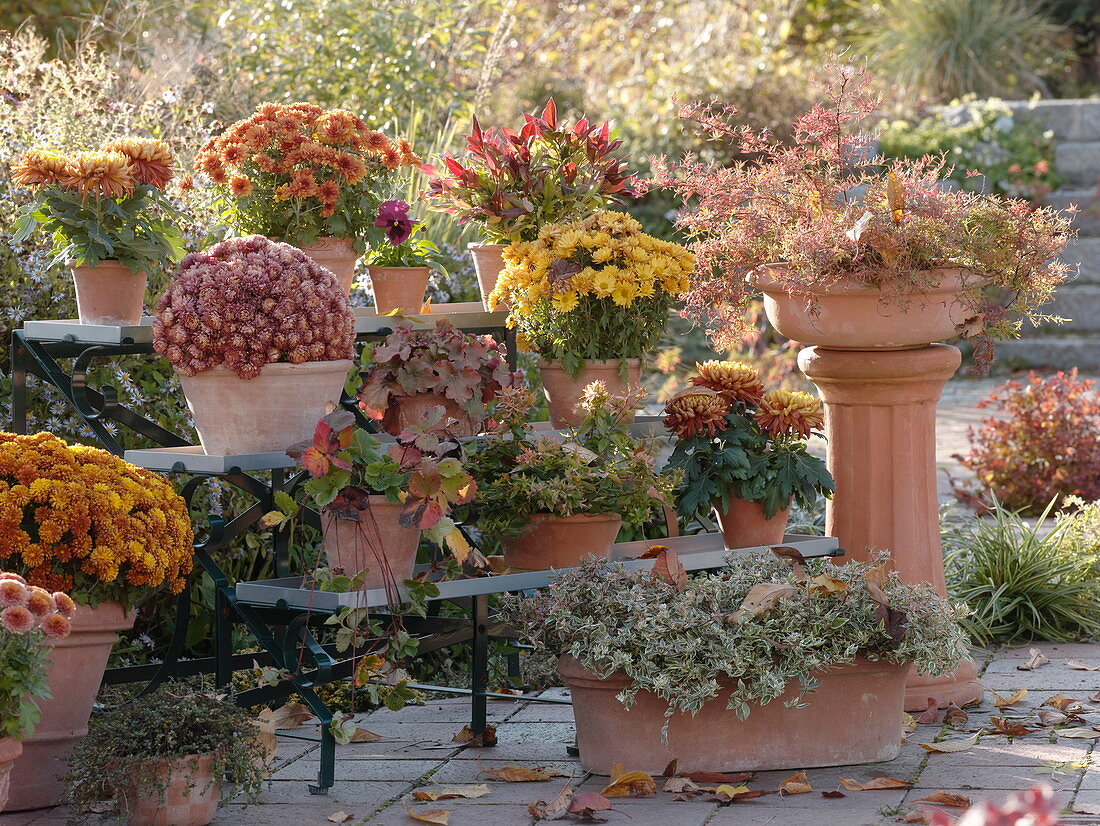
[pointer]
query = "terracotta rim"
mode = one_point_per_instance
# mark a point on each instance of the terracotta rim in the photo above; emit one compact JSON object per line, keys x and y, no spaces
{"x":949,"y":280}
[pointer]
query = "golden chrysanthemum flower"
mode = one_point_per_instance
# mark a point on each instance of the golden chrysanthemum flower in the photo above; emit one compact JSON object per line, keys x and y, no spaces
{"x":38,"y":168}
{"x":694,"y":411}
{"x":100,"y":173}
{"x":151,"y":160}
{"x":790,"y":412}
{"x":736,"y":380}
{"x":240,"y":186}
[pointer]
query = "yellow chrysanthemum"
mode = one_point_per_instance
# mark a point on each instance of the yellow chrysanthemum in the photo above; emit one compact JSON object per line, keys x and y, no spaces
{"x":736,"y":380}
{"x":624,"y":293}
{"x":38,"y":168}
{"x":566,"y":302}
{"x":108,"y":174}
{"x":603,"y":283}
{"x":791,"y":412}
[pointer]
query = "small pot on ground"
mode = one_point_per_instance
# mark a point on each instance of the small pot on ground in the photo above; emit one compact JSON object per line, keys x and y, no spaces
{"x":373,"y":542}
{"x":398,"y":288}
{"x":338,"y":256}
{"x":109,"y":293}
{"x":852,"y":718}
{"x":561,"y":541}
{"x":745,"y":525}
{"x":179,"y":791}
{"x":563,"y":391}
{"x":10,"y":749}
{"x":488,"y":262}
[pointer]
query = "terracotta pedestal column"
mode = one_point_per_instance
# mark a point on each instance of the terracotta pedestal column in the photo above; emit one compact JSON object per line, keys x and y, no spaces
{"x":880,"y":419}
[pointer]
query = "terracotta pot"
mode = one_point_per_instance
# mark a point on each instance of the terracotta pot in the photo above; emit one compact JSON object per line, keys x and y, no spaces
{"x":852,"y":718}
{"x":76,"y":668}
{"x":337,"y":255}
{"x":406,"y":410}
{"x":10,"y":748}
{"x":561,"y":541}
{"x":376,"y":544}
{"x":853,"y":316}
{"x":109,"y":293}
{"x":744,"y":525}
{"x":488,"y":262}
{"x":278,"y":408}
{"x":177,"y":791}
{"x":563,"y":391}
{"x":398,"y":288}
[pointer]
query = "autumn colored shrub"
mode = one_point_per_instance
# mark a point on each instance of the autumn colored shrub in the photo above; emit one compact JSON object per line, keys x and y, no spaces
{"x":1042,"y":443}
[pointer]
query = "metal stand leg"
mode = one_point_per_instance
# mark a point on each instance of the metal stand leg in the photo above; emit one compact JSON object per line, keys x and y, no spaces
{"x":479,"y":668}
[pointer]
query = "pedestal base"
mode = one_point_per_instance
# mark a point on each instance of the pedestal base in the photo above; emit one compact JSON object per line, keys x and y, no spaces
{"x":960,"y":687}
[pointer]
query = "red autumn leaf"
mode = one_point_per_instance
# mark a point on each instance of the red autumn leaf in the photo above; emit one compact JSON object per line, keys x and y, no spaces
{"x":667,"y":566}
{"x":931,"y":715}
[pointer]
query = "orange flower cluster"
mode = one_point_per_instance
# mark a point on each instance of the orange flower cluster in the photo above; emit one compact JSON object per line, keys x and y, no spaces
{"x":300,"y":151}
{"x":112,"y":172}
{"x":80,"y":519}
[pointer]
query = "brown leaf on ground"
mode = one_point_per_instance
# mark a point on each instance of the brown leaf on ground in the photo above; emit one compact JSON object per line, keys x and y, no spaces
{"x":878,"y":784}
{"x":1079,"y":733}
{"x":670,"y":769}
{"x":1052,"y":718}
{"x":630,"y":784}
{"x":1011,"y":700}
{"x":339,"y":817}
{"x":1036,"y":658}
{"x":467,"y":790}
{"x":286,"y":716}
{"x":943,"y":798}
{"x":796,"y":784}
{"x":667,"y":566}
{"x":1010,"y":728}
{"x":730,"y":794}
{"x":1086,"y":808}
{"x":761,"y":598}
{"x":555,"y":809}
{"x":716,"y":777}
{"x":1062,"y":703}
{"x":835,"y":793}
{"x":522,"y":774}
{"x":951,"y":746}
{"x":931,"y":715}
{"x":466,"y":737}
{"x":680,"y":785}
{"x":437,"y":816}
{"x":918,"y":816}
{"x":586,"y":804}
{"x":362,"y":735}
{"x":1077,"y":665}
{"x":955,"y":716}
{"x":1095,"y":698}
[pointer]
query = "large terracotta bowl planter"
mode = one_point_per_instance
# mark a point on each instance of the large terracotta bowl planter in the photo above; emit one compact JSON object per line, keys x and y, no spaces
{"x":563,"y":391}
{"x":488,"y":262}
{"x":398,"y":288}
{"x":277,"y":409}
{"x":854,"y":717}
{"x":75,"y":671}
{"x":109,"y":293}
{"x":852,"y":316}
{"x":337,"y":255}
{"x":561,"y":541}
{"x":10,"y":749}
{"x":744,"y":525}
{"x":175,"y":792}
{"x":376,"y":543}
{"x":404,"y":411}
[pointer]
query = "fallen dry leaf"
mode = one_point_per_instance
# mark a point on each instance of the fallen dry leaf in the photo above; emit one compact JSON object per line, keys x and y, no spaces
{"x":825,"y":584}
{"x":833,"y":794}
{"x":955,"y":716}
{"x":667,"y":566}
{"x":951,"y":746}
{"x":338,"y":817}
{"x":670,"y":769}
{"x":728,"y":794}
{"x":794,"y":557}
{"x":630,"y":784}
{"x":1010,"y":728}
{"x":522,"y":774}
{"x":796,"y":784}
{"x":1077,"y":665}
{"x":1086,"y":808}
{"x":907,"y":722}
{"x":467,"y":790}
{"x":1095,"y":698}
{"x":1062,"y":703}
{"x":931,"y":715}
{"x":1052,"y":718}
{"x":875,"y":579}
{"x":1036,"y":659}
{"x":287,"y":716}
{"x":1079,"y":733}
{"x":947,"y":799}
{"x":467,"y":737}
{"x":437,"y":816}
{"x":761,"y":598}
{"x":878,"y":784}
{"x":680,"y":785}
{"x":917,"y":816}
{"x":1004,"y":702}
{"x":361,"y":735}
{"x":587,"y":802}
{"x":555,"y":809}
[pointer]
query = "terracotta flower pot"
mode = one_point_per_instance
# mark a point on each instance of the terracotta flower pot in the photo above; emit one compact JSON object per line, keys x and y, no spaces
{"x":76,"y":668}
{"x":10,"y":749}
{"x":109,"y":293}
{"x":852,"y":718}
{"x":175,"y":792}
{"x":563,"y":391}
{"x":407,"y":410}
{"x":278,"y":408}
{"x":853,"y":316}
{"x":745,"y":526}
{"x":561,"y":541}
{"x":488,"y":262}
{"x":376,"y":544}
{"x":398,"y":288}
{"x":337,"y":255}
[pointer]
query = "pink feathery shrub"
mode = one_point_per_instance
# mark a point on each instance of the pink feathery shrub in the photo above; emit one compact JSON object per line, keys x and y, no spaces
{"x":247,"y":302}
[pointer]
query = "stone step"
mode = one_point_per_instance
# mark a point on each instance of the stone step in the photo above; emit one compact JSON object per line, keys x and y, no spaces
{"x":1078,"y":163}
{"x":1087,"y":219}
{"x":1069,"y":120}
{"x":1079,"y":304}
{"x":1084,"y":254}
{"x":1059,"y":353}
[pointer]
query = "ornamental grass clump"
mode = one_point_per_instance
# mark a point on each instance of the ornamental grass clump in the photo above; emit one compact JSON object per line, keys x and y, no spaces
{"x":687,"y":643}
{"x":79,"y":519}
{"x":593,"y":288}
{"x":247,"y":302}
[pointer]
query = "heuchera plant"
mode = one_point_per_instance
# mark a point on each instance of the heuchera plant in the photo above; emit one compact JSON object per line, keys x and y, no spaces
{"x":247,"y":302}
{"x":468,"y":369}
{"x":1041,"y":444}
{"x":512,"y":183}
{"x":734,"y":441}
{"x":795,"y":204}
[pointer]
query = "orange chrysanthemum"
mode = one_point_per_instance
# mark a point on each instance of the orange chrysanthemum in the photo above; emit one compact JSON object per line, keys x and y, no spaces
{"x":240,"y":186}
{"x":108,"y":174}
{"x":737,"y":381}
{"x":335,"y":127}
{"x":186,"y":183}
{"x":151,"y":160}
{"x":38,"y":168}
{"x":350,"y":167}
{"x":695,"y":411}
{"x":376,"y":142}
{"x":328,"y":192}
{"x":791,"y":412}
{"x":234,"y":153}
{"x":391,"y":158}
{"x":408,"y":157}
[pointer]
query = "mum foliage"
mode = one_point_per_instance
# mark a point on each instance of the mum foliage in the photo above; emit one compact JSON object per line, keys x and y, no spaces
{"x":1041,"y":443}
{"x":513,"y":183}
{"x":82,"y":520}
{"x":247,"y":302}
{"x":683,"y":642}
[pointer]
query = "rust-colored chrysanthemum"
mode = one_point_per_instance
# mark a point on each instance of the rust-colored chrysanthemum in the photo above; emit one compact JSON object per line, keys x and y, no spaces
{"x":791,"y":412}
{"x":737,"y":381}
{"x":408,"y":157}
{"x":694,"y":411}
{"x":151,"y":160}
{"x":100,"y":173}
{"x":38,"y":168}
{"x":240,"y":186}
{"x":391,"y":158}
{"x":376,"y":141}
{"x":335,"y":127}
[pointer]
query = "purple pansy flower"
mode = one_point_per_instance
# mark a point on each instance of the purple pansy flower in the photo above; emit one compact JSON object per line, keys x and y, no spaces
{"x":393,"y":217}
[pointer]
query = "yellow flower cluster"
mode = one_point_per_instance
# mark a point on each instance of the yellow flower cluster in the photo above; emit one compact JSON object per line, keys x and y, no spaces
{"x":605,"y":255}
{"x":81,"y":519}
